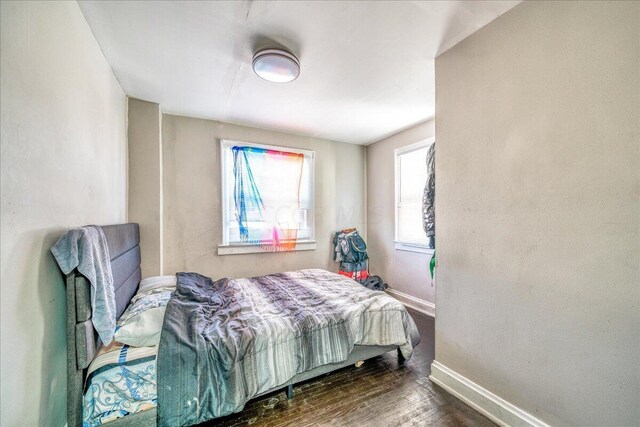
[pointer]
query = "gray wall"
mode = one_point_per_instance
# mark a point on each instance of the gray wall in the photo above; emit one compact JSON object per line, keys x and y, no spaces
{"x":145,"y":177}
{"x":63,"y":164}
{"x":191,"y":230}
{"x":406,"y":272}
{"x":538,"y":207}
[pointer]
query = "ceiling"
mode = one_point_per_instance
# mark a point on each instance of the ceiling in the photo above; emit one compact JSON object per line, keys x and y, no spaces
{"x":366,"y":66}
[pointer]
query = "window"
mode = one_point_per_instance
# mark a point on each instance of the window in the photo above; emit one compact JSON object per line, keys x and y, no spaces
{"x":267,"y":198}
{"x":411,"y":177}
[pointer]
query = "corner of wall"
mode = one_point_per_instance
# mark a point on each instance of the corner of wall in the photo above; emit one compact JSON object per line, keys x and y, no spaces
{"x":126,"y":161}
{"x":365,"y":225}
{"x":161,"y":195}
{"x":145,"y":198}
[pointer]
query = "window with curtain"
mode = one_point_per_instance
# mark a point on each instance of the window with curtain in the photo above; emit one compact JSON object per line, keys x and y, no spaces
{"x":267,"y":196}
{"x":411,"y":174}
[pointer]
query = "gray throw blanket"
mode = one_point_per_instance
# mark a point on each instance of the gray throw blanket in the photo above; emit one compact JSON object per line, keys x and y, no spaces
{"x":86,"y":249}
{"x":227,"y":341}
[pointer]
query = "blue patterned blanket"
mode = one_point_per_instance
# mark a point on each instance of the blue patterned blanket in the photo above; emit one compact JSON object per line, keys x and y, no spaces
{"x":120,"y":382}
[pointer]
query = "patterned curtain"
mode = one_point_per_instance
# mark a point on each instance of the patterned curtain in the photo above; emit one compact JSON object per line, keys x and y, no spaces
{"x":266,"y":194}
{"x":428,"y":199}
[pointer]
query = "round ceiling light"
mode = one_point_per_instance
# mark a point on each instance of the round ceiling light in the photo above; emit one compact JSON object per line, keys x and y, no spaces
{"x":276,"y":65}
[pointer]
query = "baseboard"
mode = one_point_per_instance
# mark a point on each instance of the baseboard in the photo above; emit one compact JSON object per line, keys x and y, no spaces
{"x":493,"y":407}
{"x":414,"y":303}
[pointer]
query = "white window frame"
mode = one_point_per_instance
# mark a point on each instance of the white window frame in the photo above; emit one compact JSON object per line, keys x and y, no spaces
{"x":307,"y":244}
{"x":405,"y":246}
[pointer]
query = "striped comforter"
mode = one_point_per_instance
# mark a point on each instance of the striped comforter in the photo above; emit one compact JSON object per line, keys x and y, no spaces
{"x":227,"y":341}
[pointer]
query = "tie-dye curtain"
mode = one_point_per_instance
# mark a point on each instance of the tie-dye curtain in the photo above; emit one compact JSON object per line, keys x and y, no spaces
{"x":267,"y":196}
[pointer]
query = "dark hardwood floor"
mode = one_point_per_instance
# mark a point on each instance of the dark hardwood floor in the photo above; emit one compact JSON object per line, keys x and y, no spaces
{"x":382,"y":392}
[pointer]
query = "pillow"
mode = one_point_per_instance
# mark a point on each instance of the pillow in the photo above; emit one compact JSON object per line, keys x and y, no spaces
{"x":142,"y":330}
{"x":157,"y":282}
{"x":141,"y":323}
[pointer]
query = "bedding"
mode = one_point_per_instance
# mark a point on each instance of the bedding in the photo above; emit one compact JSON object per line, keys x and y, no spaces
{"x":121,"y":380}
{"x":86,"y":250}
{"x":141,"y":323}
{"x":227,"y":341}
{"x":149,"y":283}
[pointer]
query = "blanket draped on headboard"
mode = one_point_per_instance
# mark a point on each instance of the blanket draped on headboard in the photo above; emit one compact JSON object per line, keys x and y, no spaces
{"x":86,"y":249}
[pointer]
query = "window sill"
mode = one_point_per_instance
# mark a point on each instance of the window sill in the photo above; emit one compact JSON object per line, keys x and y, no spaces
{"x":307,"y":245}
{"x":411,"y":247}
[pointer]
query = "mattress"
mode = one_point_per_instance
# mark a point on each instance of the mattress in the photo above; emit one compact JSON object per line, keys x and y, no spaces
{"x":121,"y":380}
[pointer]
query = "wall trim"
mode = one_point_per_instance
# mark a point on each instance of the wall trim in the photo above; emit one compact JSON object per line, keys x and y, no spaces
{"x":305,"y":245}
{"x":482,"y":400}
{"x":417,"y":304}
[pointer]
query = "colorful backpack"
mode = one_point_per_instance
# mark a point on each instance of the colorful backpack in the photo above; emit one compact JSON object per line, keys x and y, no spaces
{"x":350,"y":250}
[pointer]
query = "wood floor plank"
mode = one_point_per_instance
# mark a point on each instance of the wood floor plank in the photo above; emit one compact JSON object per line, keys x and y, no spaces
{"x":382,"y":392}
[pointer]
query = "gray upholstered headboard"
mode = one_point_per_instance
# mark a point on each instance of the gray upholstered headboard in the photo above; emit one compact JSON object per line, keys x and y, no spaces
{"x":124,"y":249}
{"x":123,"y":241}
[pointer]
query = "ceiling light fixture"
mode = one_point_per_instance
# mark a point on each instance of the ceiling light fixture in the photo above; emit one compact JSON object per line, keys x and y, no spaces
{"x":276,"y":65}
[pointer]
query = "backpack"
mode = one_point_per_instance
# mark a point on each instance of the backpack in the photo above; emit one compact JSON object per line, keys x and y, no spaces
{"x":350,"y":251}
{"x":352,"y":247}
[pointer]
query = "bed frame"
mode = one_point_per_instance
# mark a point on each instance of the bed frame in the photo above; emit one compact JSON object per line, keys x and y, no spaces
{"x":83,"y":343}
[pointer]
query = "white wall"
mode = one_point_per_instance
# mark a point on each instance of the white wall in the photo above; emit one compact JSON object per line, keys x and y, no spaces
{"x":191,"y":197}
{"x":63,"y":164}
{"x":538,"y":210}
{"x":407,"y":272}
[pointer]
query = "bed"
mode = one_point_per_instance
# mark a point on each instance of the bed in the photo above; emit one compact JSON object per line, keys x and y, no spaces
{"x":83,"y":345}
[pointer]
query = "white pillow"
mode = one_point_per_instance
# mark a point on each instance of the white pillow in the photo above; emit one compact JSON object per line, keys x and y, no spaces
{"x":142,"y":330}
{"x":157,"y":282}
{"x":141,"y":323}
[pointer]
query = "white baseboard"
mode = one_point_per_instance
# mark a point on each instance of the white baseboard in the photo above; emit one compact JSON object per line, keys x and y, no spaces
{"x":412,"y":302}
{"x":493,"y":407}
